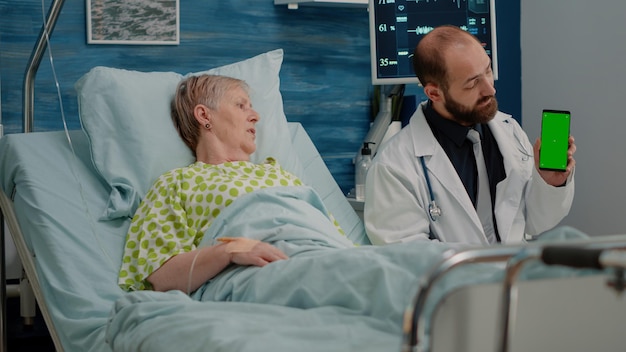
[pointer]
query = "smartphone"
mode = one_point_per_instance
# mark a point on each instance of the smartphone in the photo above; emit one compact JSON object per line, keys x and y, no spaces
{"x":555,"y":129}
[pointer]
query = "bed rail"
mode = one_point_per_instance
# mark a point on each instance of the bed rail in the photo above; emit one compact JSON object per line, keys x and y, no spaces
{"x":515,"y":256}
{"x":28,"y":105}
{"x":7,"y":211}
{"x":415,"y":319}
{"x":3,"y":289}
{"x":577,"y":256}
{"x":27,"y":126}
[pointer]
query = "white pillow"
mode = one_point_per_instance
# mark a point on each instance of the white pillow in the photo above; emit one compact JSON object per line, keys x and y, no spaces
{"x":126,"y":116}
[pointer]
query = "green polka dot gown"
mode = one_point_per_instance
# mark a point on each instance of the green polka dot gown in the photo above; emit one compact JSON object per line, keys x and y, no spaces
{"x":180,"y":207}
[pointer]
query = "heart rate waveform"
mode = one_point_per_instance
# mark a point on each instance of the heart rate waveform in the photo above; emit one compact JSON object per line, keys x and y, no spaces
{"x":422,"y":30}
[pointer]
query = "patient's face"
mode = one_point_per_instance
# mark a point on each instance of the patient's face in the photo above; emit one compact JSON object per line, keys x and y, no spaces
{"x":234,"y":124}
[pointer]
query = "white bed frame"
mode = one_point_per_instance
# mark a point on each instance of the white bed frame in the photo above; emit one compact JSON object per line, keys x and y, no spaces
{"x":29,"y":268}
{"x":574,"y":314}
{"x":578,"y":313}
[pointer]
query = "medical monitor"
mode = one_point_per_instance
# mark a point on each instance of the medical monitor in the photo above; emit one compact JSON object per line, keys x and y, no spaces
{"x":396,"y":26}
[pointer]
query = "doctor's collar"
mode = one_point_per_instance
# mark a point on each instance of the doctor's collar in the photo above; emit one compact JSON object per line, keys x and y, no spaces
{"x":443,"y":127}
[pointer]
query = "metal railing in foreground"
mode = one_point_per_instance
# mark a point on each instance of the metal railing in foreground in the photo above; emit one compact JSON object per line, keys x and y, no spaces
{"x":606,"y":250}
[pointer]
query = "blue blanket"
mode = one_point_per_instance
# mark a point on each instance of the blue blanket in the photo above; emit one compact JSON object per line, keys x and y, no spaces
{"x":328,"y":296}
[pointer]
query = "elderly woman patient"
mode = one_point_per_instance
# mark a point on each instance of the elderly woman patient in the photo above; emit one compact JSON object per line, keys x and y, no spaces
{"x":225,"y":228}
{"x":215,"y":118}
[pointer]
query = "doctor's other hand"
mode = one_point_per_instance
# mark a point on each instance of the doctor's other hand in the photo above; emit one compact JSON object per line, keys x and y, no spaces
{"x":556,"y":178}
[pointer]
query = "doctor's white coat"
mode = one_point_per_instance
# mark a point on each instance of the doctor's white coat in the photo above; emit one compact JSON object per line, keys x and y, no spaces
{"x":397,"y":197}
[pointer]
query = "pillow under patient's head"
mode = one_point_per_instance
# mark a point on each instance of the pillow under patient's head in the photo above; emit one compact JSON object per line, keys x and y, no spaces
{"x":126,"y":116}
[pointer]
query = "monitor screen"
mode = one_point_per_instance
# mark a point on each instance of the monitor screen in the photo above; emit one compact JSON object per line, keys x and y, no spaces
{"x":396,"y":26}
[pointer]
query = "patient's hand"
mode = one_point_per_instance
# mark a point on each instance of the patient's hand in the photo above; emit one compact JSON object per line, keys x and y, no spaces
{"x":245,"y":251}
{"x":207,"y":262}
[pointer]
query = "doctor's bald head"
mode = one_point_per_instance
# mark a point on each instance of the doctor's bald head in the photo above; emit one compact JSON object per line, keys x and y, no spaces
{"x":429,"y":62}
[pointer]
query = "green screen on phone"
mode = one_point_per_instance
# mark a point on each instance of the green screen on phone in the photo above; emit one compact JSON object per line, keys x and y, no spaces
{"x":555,"y":125}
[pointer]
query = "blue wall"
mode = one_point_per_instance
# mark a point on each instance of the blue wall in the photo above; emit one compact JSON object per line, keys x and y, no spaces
{"x":325,"y":79}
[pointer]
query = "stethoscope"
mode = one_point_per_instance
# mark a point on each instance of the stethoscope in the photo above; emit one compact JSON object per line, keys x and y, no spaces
{"x":434,"y":211}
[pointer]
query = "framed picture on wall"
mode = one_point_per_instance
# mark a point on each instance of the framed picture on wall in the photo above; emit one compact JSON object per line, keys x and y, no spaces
{"x":150,"y":22}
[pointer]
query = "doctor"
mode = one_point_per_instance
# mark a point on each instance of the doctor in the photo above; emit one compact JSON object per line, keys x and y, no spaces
{"x":423,"y":183}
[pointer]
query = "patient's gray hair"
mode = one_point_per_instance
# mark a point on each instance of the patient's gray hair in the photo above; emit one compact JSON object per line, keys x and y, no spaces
{"x":205,"y":89}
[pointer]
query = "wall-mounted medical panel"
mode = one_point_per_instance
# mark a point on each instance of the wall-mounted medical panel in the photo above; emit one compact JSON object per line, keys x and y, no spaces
{"x":294,"y":4}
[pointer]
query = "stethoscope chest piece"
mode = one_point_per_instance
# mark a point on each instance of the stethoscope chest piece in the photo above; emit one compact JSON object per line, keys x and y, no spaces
{"x":433,"y":209}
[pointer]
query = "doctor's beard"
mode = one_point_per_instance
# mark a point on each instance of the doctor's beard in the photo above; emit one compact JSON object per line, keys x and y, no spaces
{"x":479,"y":113}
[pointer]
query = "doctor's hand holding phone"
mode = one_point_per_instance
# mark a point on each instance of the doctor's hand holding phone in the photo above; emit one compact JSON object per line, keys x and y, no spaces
{"x":554,"y":150}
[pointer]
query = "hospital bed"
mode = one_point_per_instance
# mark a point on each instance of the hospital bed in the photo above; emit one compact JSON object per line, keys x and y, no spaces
{"x":66,"y":197}
{"x":72,"y":262}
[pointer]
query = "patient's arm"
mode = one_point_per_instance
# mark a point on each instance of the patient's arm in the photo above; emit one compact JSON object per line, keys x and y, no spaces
{"x":210,"y":261}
